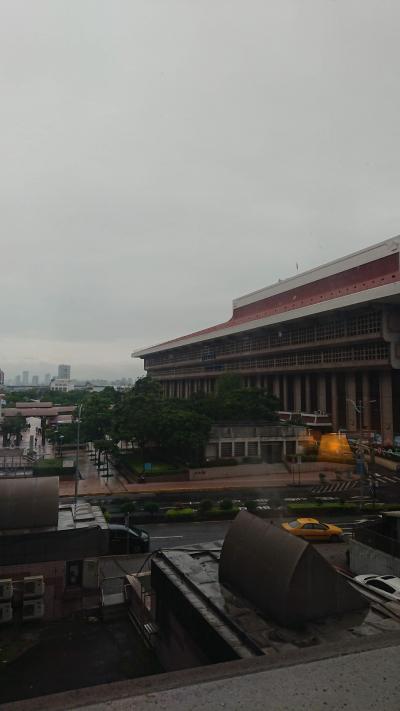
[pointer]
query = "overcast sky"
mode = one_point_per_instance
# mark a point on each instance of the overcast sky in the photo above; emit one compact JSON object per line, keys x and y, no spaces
{"x":160,"y":157}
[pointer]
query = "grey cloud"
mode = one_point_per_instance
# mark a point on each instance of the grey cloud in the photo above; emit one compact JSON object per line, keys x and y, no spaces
{"x":161,"y":158}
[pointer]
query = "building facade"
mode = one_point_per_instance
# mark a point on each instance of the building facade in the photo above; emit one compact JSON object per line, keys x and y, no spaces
{"x":64,"y":372}
{"x":327,"y":340}
{"x":1,"y":377}
{"x":62,"y":384}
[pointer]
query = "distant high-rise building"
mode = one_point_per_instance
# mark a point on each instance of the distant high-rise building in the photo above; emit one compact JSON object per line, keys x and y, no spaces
{"x":35,"y":380}
{"x":25,"y":377}
{"x":47,"y":379}
{"x":1,"y":377}
{"x":64,"y":372}
{"x":18,"y":380}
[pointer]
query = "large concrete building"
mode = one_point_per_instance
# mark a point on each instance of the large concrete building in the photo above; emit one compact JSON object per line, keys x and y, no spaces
{"x":326,"y":340}
{"x":64,"y":372}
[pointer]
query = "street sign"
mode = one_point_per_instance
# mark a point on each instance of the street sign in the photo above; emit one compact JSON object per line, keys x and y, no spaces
{"x":148,"y":466}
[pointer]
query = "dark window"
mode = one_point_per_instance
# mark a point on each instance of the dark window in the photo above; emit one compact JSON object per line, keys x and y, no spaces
{"x":308,"y":525}
{"x":74,"y":572}
{"x":320,"y":526}
{"x":380,"y":585}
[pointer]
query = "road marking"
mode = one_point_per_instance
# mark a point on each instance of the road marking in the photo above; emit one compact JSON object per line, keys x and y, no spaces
{"x":153,"y":538}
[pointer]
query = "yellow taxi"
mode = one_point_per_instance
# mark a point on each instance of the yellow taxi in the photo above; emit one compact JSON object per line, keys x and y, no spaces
{"x":312,"y":530}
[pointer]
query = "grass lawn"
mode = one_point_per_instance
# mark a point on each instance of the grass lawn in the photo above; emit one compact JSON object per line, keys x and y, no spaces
{"x":136,"y":463}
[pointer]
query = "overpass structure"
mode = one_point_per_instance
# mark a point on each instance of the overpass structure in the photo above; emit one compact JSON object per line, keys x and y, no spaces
{"x":326,"y":340}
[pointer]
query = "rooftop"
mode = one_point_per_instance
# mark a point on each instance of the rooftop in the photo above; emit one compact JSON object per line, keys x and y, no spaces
{"x":195,"y":569}
{"x":369,"y":274}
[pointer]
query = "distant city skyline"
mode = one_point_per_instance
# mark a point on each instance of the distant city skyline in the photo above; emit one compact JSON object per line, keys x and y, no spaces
{"x":46,"y":371}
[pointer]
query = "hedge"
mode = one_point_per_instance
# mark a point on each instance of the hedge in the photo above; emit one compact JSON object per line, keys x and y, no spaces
{"x":52,"y":467}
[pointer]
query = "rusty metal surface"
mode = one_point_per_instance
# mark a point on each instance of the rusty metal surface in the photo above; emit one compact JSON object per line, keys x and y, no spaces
{"x":28,"y":503}
{"x":281,"y":575}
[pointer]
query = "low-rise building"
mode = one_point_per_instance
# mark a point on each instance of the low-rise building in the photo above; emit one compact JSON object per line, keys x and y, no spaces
{"x":262,"y":592}
{"x":62,"y":384}
{"x":248,"y":440}
{"x":48,"y":549}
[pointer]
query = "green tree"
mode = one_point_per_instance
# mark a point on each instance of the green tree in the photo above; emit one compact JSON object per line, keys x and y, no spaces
{"x":13,"y":426}
{"x":136,"y":417}
{"x":97,"y":415}
{"x":183,"y":433}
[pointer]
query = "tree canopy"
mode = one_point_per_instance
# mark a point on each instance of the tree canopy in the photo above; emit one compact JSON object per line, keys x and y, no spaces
{"x":179,"y":428}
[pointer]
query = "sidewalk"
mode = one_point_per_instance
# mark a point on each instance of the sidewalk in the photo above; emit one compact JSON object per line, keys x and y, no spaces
{"x":92,"y":484}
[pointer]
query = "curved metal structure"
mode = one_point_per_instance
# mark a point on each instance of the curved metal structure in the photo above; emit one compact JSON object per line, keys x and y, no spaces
{"x":28,"y":503}
{"x":283,"y":576}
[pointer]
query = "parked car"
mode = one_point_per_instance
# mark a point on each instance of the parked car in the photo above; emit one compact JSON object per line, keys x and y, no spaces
{"x":387,"y":585}
{"x":127,"y":540}
{"x":312,"y":530}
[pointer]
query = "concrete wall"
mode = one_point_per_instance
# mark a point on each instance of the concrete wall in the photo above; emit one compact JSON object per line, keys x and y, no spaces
{"x":364,"y":559}
{"x":232,"y":472}
{"x":59,"y":600}
{"x":319,"y":467}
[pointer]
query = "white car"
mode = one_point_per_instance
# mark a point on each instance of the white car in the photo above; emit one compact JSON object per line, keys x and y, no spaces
{"x":386,"y":585}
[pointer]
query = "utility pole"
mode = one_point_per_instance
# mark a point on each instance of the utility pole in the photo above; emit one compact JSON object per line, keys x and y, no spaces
{"x":77,"y":460}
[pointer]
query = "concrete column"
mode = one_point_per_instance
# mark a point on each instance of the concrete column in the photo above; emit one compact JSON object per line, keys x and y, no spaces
{"x":308,"y":393}
{"x":297,"y":393}
{"x":386,"y":405}
{"x":275,"y":387}
{"x":334,"y":398}
{"x":258,"y":382}
{"x":366,"y":397}
{"x":351,"y":414}
{"x":321,"y":392}
{"x":285,"y":402}
{"x":171,"y":388}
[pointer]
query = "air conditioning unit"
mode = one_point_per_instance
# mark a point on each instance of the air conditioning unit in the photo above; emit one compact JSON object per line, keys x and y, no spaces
{"x":33,"y":586}
{"x":6,"y":589}
{"x":6,"y":612}
{"x":90,"y":573}
{"x":33,"y":610}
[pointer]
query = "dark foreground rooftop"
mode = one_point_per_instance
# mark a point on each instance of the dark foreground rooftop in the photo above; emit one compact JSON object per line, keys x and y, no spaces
{"x":361,"y":676}
{"x":195,"y":570}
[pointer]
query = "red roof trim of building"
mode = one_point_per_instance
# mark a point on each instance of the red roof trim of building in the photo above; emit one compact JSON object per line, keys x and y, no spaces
{"x":367,"y":276}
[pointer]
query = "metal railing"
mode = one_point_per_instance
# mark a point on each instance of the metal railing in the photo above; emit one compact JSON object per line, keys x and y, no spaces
{"x":371,"y":538}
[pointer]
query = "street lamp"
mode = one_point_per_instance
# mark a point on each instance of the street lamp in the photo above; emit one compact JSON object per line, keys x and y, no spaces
{"x":359,"y":407}
{"x":60,"y":441}
{"x":77,"y":459}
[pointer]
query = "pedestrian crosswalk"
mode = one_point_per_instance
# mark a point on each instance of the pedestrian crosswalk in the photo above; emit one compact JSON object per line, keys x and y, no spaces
{"x":386,"y":479}
{"x":336,"y":487}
